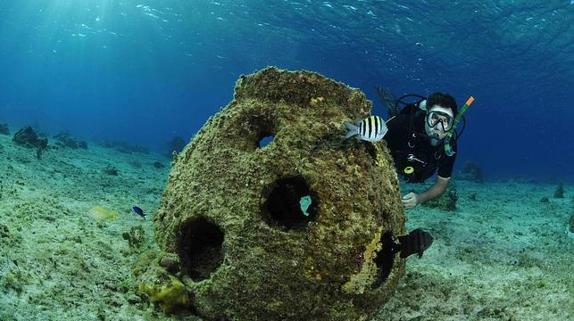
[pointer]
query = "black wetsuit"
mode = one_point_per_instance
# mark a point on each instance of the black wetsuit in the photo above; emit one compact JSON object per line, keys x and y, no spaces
{"x":415,"y":158}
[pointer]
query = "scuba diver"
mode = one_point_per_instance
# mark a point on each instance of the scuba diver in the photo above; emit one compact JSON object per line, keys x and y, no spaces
{"x":422,"y":139}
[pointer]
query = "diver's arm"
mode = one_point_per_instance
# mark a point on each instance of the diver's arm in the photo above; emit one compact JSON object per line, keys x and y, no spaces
{"x":434,"y":191}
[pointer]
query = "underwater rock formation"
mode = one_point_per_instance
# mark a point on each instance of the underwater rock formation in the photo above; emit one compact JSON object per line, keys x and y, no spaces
{"x":295,"y":230}
{"x":4,"y":130}
{"x":559,"y":192}
{"x":64,"y":139}
{"x":27,"y":137}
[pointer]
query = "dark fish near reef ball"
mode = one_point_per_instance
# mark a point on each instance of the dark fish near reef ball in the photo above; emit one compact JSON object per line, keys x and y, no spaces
{"x":416,"y":242}
{"x":371,"y":129}
{"x":138,"y":211}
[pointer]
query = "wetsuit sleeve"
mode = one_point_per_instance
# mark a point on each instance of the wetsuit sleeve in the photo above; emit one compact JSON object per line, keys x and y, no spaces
{"x":398,"y":131}
{"x":446,"y":165}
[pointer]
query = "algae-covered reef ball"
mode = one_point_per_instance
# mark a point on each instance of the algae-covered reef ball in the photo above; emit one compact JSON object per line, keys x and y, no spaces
{"x":295,"y":229}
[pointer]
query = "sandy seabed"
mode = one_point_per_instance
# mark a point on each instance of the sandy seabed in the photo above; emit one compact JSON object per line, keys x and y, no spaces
{"x":502,"y":255}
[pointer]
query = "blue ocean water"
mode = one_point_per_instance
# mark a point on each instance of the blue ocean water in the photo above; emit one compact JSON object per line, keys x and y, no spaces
{"x":143,"y":71}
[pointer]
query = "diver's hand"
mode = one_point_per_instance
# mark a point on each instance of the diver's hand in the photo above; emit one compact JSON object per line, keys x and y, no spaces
{"x":410,"y":200}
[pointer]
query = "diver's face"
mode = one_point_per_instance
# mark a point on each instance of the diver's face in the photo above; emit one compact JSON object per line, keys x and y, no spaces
{"x":438,"y":122}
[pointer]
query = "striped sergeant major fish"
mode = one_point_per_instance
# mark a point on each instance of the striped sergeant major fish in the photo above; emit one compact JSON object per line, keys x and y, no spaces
{"x":371,"y":129}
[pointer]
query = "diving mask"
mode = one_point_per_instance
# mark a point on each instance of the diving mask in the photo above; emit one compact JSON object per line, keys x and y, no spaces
{"x":436,"y":117}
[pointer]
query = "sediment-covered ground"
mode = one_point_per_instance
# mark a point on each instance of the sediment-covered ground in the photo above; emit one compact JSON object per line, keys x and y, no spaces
{"x":502,"y":255}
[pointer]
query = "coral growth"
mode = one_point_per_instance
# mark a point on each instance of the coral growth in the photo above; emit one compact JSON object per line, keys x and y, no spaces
{"x":7,"y":237}
{"x":559,"y":192}
{"x":135,"y":237}
{"x":446,"y":201}
{"x":169,"y":294}
{"x":288,"y":230}
{"x":28,"y":138}
{"x":111,"y":170}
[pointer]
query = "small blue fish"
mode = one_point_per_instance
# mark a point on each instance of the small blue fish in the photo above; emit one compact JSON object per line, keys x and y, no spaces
{"x":138,"y":211}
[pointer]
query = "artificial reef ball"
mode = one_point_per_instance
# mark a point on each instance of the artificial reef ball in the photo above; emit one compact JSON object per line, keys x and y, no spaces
{"x":296,"y":228}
